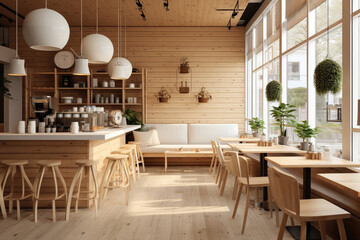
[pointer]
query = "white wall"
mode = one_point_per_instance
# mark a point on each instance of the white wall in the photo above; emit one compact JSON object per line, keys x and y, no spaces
{"x":12,"y":107}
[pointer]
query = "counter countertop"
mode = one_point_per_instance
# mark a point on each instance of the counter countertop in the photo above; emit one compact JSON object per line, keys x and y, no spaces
{"x":104,"y":134}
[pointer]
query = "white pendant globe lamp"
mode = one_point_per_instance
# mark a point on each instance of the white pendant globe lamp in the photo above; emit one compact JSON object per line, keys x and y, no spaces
{"x":120,"y":68}
{"x":46,"y":30}
{"x":81,"y":64}
{"x":97,"y":47}
{"x":17,"y":65}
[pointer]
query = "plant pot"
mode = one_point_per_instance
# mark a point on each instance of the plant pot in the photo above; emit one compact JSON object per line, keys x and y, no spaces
{"x":283,"y":140}
{"x":304,"y":146}
{"x":256,"y":134}
{"x":184,"y":89}
{"x":203,"y":100}
{"x":163,"y":100}
{"x":184,"y":69}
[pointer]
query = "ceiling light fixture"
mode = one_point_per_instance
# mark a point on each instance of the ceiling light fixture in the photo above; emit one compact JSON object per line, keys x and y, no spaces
{"x":229,"y":24}
{"x":235,"y":12}
{"x":143,"y":15}
{"x":120,"y":68}
{"x":138,"y":3}
{"x":46,"y":30}
{"x":97,"y":47}
{"x":17,"y":65}
{"x":81,"y":64}
{"x":166,"y":5}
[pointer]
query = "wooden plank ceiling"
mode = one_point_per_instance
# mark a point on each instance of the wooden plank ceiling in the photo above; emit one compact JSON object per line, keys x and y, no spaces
{"x":181,"y":13}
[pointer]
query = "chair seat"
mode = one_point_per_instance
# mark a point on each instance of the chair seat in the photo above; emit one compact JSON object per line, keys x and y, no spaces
{"x":45,"y":163}
{"x":116,"y":156}
{"x":320,"y":210}
{"x":255,"y":181}
{"x":85,"y":162}
{"x":134,"y":142}
{"x":14,"y":162}
{"x":122,"y":151}
{"x":128,"y":146}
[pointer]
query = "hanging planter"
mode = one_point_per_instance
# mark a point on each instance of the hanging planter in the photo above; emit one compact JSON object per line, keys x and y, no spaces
{"x":273,"y":91}
{"x":328,"y":77}
{"x":203,"y":96}
{"x":184,"y":65}
{"x":163,"y":96}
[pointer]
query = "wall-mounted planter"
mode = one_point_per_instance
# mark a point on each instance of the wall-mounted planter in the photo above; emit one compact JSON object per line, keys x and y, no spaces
{"x":163,"y":100}
{"x":163,"y":96}
{"x":184,"y":69}
{"x":184,"y":89}
{"x":203,"y":100}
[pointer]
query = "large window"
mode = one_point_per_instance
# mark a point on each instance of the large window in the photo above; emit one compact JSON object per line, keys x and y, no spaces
{"x":296,"y":14}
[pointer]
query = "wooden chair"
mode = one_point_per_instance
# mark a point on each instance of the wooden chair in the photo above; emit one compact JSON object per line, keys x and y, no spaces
{"x":249,"y":183}
{"x":116,"y":175}
{"x":214,"y":160}
{"x":225,"y":168}
{"x":12,"y":166}
{"x":139,"y":154}
{"x":54,"y":167}
{"x":285,"y":189}
{"x":85,"y":167}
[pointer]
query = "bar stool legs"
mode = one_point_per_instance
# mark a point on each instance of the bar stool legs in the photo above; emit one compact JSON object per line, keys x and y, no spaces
{"x":116,"y":175}
{"x":140,"y":155}
{"x":12,"y":196}
{"x":54,"y":167}
{"x":90,"y":168}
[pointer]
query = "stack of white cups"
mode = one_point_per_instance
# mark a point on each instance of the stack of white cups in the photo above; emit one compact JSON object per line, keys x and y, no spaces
{"x":21,"y":127}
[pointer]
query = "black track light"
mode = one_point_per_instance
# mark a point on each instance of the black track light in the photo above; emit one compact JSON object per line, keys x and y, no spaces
{"x":143,"y":16}
{"x":138,"y":3}
{"x":234,"y":14}
{"x":228,"y":26}
{"x":166,"y":5}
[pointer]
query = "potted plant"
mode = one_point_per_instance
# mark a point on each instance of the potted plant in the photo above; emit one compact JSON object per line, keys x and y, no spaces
{"x":283,"y":115}
{"x":132,"y":118}
{"x":328,"y":77}
{"x":257,"y":126}
{"x":273,"y":91}
{"x":184,"y":65}
{"x":305,"y":132}
{"x":163,"y":96}
{"x":203,"y":96}
{"x":4,"y":90}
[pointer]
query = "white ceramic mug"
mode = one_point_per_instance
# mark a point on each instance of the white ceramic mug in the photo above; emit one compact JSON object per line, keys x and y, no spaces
{"x":74,"y":127}
{"x":105,"y":84}
{"x":132,"y":85}
{"x":134,"y":99}
{"x":53,"y":130}
{"x":75,"y":109}
{"x":81,"y":109}
{"x":21,"y":127}
{"x":32,"y":127}
{"x":130,"y":100}
{"x":48,"y":130}
{"x":41,"y":127}
{"x":112,"y":83}
{"x":79,"y":100}
{"x":94,"y":82}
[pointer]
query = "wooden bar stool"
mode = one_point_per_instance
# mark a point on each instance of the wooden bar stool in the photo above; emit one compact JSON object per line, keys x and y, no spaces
{"x":54,"y":167}
{"x":116,"y":175}
{"x":12,"y":166}
{"x":131,"y":159}
{"x":139,"y":153}
{"x":85,"y":167}
{"x":133,"y":148}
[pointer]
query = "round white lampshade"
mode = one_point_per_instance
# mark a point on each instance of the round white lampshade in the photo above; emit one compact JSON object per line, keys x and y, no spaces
{"x":17,"y":67}
{"x":46,"y":30}
{"x":81,"y":67}
{"x":118,"y":61}
{"x":118,"y":72}
{"x":97,"y":48}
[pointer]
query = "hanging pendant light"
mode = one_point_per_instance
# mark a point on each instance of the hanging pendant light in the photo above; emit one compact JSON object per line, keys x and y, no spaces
{"x":97,"y":47}
{"x":120,"y":68}
{"x":81,"y":64}
{"x":46,"y":30}
{"x":17,"y":65}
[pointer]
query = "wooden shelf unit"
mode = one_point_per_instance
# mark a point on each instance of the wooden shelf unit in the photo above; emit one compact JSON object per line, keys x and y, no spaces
{"x":50,"y":83}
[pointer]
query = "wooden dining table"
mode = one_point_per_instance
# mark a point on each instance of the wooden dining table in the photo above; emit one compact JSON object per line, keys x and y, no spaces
{"x":239,"y":140}
{"x":263,"y":152}
{"x":349,"y":182}
{"x":307,"y":165}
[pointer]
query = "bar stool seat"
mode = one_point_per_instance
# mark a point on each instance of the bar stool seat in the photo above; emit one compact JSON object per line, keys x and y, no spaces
{"x":116,"y":175}
{"x":139,"y":153}
{"x":89,"y":167}
{"x":12,"y":166}
{"x":131,"y":154}
{"x":54,"y":167}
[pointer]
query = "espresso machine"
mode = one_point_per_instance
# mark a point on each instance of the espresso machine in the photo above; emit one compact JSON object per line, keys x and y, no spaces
{"x":43,"y":106}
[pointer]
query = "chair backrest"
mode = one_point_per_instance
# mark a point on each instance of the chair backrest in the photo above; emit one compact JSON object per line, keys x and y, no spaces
{"x":220,"y":154}
{"x":244,"y":168}
{"x":285,"y":191}
{"x":214,"y":147}
{"x":235,"y":163}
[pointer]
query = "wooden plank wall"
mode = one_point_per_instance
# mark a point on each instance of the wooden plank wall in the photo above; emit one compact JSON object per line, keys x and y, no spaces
{"x":216,"y":56}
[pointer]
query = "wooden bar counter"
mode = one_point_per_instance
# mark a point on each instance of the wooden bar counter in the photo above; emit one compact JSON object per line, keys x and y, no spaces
{"x":66,"y":147}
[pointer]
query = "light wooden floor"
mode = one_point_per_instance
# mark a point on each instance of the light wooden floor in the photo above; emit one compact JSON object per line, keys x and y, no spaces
{"x":183,"y":204}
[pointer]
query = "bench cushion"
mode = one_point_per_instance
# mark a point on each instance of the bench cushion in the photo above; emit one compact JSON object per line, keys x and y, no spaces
{"x":204,"y":133}
{"x":170,"y":133}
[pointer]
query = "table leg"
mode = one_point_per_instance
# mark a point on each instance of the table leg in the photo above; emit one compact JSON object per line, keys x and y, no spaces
{"x":165,"y":162}
{"x":263,"y":173}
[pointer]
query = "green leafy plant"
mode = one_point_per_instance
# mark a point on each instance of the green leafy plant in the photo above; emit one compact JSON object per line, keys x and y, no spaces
{"x":273,"y":91}
{"x":283,"y":115}
{"x":304,"y":130}
{"x":132,"y":118}
{"x":4,"y":90}
{"x":256,"y":124}
{"x":328,"y":77}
